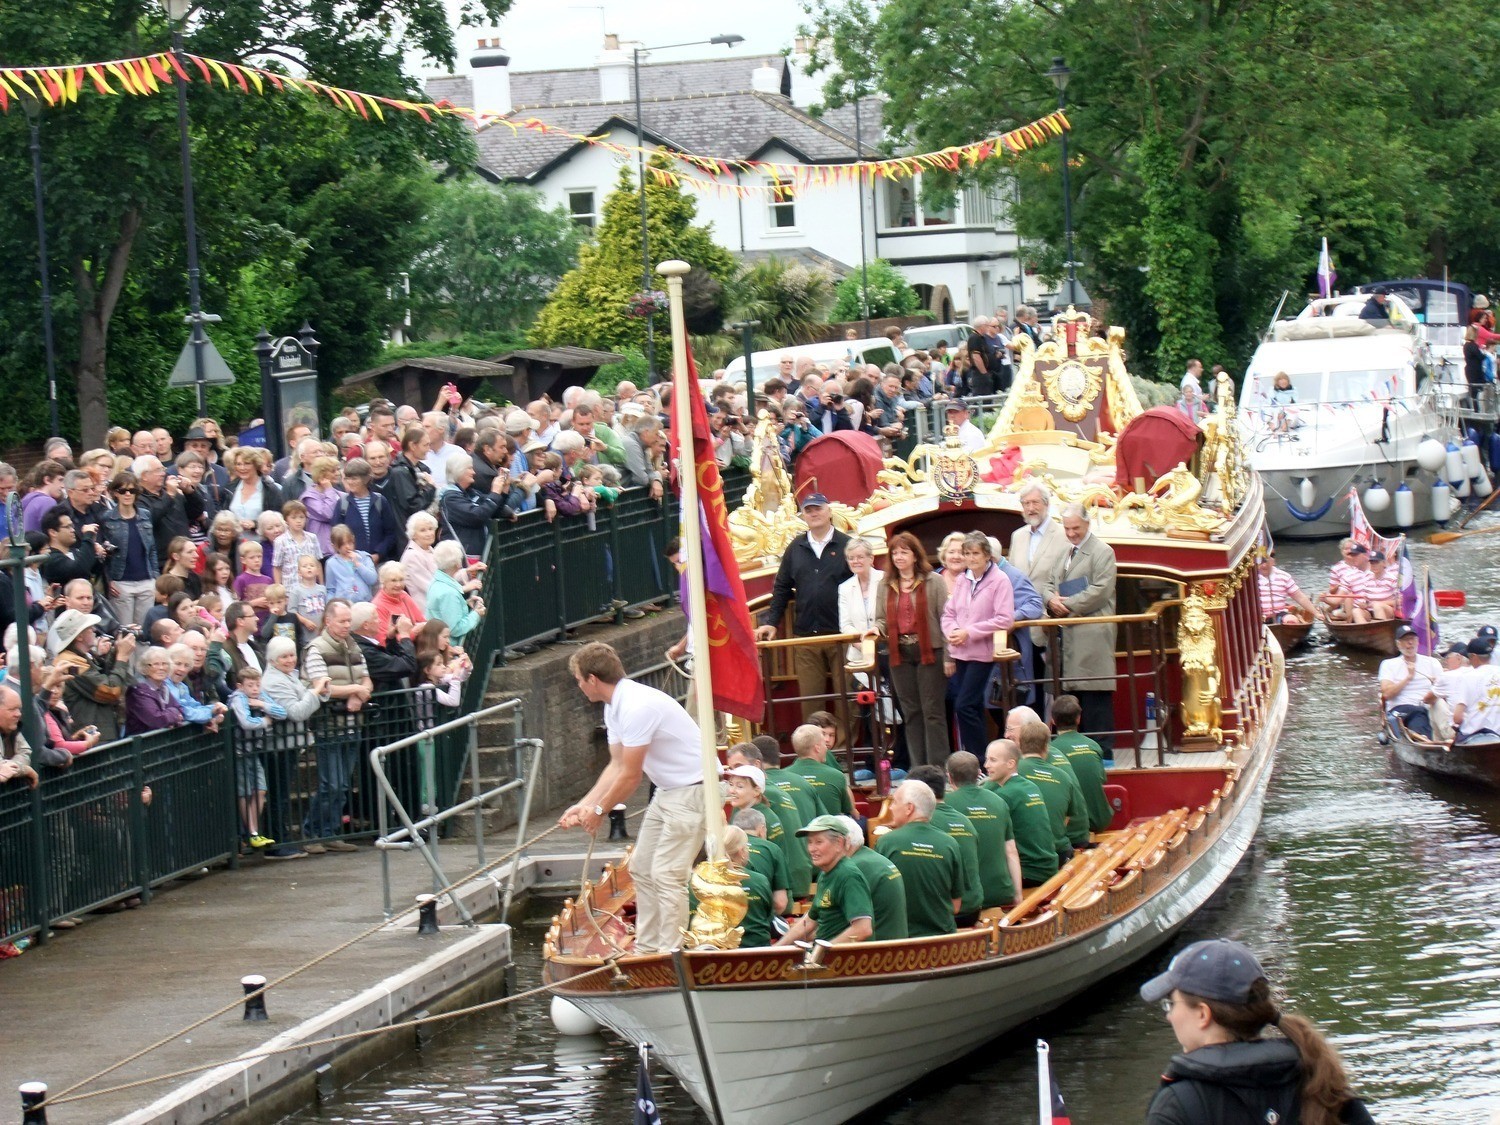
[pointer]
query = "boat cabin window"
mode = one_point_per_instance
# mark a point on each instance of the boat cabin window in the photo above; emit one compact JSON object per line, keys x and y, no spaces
{"x":1307,"y":386}
{"x":1375,"y":385}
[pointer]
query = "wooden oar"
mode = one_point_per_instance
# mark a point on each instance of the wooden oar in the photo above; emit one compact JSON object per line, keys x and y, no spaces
{"x":1441,"y":537}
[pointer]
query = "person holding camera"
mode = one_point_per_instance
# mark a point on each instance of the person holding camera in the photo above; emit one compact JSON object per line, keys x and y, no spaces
{"x":100,"y":667}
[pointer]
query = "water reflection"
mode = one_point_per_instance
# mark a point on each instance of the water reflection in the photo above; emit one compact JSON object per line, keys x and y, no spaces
{"x":1372,"y":894}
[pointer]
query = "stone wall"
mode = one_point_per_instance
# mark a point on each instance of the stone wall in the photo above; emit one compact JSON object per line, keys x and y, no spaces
{"x":554,"y":710}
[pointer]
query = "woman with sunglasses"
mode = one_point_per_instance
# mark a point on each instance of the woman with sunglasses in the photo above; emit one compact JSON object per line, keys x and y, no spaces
{"x":131,"y":564}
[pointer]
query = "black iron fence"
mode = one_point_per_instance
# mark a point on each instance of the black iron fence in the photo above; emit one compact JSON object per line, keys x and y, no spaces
{"x":130,"y":815}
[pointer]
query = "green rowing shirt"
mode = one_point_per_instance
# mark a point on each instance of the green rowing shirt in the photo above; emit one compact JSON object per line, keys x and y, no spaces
{"x":829,"y":785}
{"x":843,"y":895}
{"x":1056,"y":791}
{"x":1034,"y":840}
{"x":766,"y":859}
{"x":932,"y":871}
{"x":990,"y":816}
{"x":1087,"y":760}
{"x":957,"y":825}
{"x":798,"y":865}
{"x":887,"y":893}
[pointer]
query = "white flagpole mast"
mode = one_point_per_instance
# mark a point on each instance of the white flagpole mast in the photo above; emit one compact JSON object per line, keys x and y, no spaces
{"x":1044,"y":1082}
{"x":692,"y":546}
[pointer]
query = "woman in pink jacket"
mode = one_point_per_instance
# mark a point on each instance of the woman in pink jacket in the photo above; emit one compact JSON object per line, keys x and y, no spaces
{"x":981,"y":605}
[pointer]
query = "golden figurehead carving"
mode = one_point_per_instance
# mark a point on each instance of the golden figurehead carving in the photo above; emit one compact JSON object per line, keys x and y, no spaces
{"x":722,"y":905}
{"x":1201,"y":717}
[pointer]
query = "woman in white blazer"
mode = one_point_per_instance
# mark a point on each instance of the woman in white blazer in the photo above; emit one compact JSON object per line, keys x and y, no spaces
{"x":857,"y":594}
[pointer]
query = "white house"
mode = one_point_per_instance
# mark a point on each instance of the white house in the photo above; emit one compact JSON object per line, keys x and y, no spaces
{"x":962,"y":260}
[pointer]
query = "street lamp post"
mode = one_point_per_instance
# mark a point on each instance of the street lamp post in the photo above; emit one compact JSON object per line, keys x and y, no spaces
{"x":746,"y":330}
{"x":1059,"y":73}
{"x":640,"y":164}
{"x":33,"y":111}
{"x":859,"y":195}
{"x":177,"y":12}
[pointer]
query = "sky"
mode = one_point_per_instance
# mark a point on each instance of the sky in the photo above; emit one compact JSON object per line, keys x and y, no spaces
{"x":552,"y":34}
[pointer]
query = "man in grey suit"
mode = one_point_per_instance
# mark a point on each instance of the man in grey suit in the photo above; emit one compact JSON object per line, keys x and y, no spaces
{"x":1083,"y":585}
{"x":1036,"y":547}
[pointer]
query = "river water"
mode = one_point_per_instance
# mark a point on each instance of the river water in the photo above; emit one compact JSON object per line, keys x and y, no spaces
{"x":1372,"y":895}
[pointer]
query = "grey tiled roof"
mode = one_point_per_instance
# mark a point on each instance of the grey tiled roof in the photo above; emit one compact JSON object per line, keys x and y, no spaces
{"x":537,"y":88}
{"x":871,"y":124}
{"x":738,"y":126}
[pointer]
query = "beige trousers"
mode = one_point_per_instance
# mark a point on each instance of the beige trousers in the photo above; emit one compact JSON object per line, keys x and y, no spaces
{"x":670,"y":836}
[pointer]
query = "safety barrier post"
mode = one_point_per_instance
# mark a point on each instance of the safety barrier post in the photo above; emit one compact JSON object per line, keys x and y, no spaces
{"x":140,"y":842}
{"x":255,"y":998}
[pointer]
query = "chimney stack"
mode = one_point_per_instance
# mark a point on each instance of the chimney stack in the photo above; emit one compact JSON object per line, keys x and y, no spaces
{"x":490,"y":77}
{"x":614,"y":65}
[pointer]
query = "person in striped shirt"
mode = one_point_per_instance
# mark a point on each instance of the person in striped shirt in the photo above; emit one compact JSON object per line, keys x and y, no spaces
{"x":1280,"y":596}
{"x":1348,"y":581}
{"x":1383,"y":587}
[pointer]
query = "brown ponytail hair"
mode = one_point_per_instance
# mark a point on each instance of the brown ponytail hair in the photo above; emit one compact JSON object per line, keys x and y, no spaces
{"x":1325,"y":1086}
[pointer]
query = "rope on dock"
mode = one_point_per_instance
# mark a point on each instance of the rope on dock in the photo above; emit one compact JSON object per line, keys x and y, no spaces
{"x":68,"y":1095}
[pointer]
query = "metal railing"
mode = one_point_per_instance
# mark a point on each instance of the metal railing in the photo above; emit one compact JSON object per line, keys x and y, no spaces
{"x":420,"y":752}
{"x":927,"y":424}
{"x":120,"y":820}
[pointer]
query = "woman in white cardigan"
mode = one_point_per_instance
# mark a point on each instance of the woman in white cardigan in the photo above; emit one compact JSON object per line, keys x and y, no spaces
{"x":857,"y":594}
{"x":418,"y":561}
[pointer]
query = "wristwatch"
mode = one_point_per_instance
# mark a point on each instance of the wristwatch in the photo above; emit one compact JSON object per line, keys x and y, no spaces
{"x":598,"y":810}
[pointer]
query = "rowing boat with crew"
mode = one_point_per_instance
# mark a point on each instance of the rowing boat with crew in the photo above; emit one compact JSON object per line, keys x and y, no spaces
{"x":817,"y":1033}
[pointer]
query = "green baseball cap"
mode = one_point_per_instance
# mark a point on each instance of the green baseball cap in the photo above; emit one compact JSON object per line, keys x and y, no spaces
{"x":825,"y":823}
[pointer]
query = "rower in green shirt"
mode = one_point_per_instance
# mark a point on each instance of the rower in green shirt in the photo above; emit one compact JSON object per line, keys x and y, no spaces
{"x":1087,"y":760}
{"x":765,"y":857}
{"x":841,"y":910}
{"x":999,"y":861}
{"x":829,"y":785}
{"x":788,"y":814}
{"x":956,"y":825}
{"x":757,"y":923}
{"x":1055,"y":786}
{"x":1075,"y":816}
{"x":929,"y":859}
{"x":887,"y":888}
{"x":1028,"y":812}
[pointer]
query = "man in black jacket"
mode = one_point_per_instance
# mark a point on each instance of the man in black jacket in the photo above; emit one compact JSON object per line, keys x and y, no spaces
{"x":811,"y":571}
{"x":67,"y":556}
{"x":392,"y":664}
{"x":173,"y":510}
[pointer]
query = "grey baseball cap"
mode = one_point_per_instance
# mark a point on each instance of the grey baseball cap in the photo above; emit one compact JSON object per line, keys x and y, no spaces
{"x":1215,"y":970}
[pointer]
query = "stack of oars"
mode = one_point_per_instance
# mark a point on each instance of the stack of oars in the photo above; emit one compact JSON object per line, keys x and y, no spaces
{"x":1091,"y":871}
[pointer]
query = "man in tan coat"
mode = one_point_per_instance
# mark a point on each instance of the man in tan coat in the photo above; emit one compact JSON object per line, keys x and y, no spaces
{"x":1083,"y":585}
{"x":1036,"y":548}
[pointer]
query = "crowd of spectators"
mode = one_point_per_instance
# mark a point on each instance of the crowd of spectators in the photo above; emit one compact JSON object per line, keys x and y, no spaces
{"x":198,"y":583}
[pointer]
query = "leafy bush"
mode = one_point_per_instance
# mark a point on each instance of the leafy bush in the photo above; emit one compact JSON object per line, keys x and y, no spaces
{"x":889,"y":293}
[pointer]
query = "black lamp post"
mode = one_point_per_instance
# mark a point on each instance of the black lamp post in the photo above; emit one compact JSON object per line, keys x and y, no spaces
{"x":33,"y":111}
{"x":640,"y":164}
{"x":1059,"y":73}
{"x":746,"y":329}
{"x":177,"y":12}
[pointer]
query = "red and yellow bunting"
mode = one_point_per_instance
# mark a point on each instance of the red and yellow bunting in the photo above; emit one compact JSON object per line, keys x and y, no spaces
{"x":150,"y":74}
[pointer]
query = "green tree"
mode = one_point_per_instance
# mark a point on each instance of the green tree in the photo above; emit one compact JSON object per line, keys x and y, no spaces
{"x":265,"y":168}
{"x":788,"y":298}
{"x":1231,"y":133}
{"x":589,"y":305}
{"x":890,"y":294}
{"x":489,"y":256}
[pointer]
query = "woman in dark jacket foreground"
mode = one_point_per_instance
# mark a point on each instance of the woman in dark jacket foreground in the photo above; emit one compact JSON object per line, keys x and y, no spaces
{"x":1218,"y":1002}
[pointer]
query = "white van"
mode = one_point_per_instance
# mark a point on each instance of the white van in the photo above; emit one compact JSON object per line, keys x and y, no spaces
{"x":767,"y":365}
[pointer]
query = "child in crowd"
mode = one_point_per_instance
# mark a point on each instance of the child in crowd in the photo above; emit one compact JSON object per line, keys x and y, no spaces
{"x":211,"y":611}
{"x":218,"y":576}
{"x":309,"y":595}
{"x":271,"y":528}
{"x":167,"y":586}
{"x":594,"y":478}
{"x":254,"y":714}
{"x":250,"y":584}
{"x":297,"y":541}
{"x":351,"y":572}
{"x":282,"y":621}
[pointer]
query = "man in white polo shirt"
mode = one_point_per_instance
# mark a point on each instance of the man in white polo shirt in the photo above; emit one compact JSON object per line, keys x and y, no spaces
{"x":651,"y":734}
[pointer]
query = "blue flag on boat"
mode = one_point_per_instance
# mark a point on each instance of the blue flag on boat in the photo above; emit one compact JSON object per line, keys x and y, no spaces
{"x":645,"y":1101}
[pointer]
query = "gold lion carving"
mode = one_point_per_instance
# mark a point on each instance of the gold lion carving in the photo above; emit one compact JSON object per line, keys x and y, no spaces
{"x":1201,"y":717}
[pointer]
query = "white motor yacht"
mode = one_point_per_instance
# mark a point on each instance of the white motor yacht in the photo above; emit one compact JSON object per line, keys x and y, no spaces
{"x":1359,"y":407}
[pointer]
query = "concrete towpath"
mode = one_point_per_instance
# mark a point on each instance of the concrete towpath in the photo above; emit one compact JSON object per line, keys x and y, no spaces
{"x":120,"y":982}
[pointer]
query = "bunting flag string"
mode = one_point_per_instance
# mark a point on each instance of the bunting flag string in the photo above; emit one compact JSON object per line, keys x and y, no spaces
{"x":150,"y":74}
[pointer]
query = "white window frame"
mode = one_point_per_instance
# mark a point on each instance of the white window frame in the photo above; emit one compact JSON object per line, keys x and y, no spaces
{"x":787,"y":188}
{"x":577,"y":216}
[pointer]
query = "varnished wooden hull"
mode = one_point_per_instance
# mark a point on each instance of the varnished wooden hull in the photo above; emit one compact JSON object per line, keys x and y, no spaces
{"x":1291,"y":636}
{"x":755,"y":1036}
{"x":1476,"y":763}
{"x":1373,"y":636}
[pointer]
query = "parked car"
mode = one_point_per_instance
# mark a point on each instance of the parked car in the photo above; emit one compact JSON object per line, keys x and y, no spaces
{"x":767,"y":364}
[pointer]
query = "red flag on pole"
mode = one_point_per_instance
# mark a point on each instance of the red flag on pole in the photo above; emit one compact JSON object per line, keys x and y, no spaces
{"x":732,"y":660}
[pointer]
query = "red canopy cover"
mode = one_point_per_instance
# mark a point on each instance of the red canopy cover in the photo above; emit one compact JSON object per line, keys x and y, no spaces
{"x":842,"y":466}
{"x":1154,"y":444}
